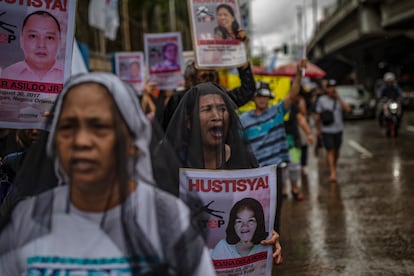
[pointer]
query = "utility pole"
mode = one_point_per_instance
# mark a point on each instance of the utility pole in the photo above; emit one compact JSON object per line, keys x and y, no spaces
{"x":102,"y":42}
{"x":315,"y":14}
{"x":173,"y":24}
{"x":125,"y":25}
{"x":299,"y":10}
{"x":305,"y":30}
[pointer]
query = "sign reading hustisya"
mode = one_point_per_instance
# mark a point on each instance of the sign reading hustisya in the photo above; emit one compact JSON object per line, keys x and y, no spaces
{"x":235,"y":209}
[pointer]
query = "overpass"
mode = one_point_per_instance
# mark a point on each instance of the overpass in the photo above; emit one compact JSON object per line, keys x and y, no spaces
{"x":364,"y":39}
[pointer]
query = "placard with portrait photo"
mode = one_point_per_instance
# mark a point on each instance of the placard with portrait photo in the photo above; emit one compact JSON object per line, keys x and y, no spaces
{"x":214,"y":27}
{"x":130,"y":67}
{"x":163,"y":53}
{"x":235,"y":209}
{"x":36,"y":59}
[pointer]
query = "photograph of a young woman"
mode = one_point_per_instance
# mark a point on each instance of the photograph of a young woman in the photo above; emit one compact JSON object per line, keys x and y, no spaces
{"x":227,"y":27}
{"x":244,"y":232}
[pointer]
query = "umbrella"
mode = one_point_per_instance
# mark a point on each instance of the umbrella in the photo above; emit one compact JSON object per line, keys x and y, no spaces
{"x":289,"y":70}
{"x":257,"y":70}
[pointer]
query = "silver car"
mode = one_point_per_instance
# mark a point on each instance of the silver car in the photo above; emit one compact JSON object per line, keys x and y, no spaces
{"x":362,"y":103}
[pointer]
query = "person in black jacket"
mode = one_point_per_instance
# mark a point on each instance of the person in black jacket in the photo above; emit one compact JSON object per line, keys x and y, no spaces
{"x":13,"y":161}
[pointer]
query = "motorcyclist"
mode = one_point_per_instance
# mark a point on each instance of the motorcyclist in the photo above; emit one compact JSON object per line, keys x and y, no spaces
{"x":388,"y":91}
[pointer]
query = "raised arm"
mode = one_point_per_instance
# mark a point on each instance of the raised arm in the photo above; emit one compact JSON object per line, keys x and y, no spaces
{"x":305,"y":126}
{"x":295,"y":88}
{"x":243,"y":94}
{"x":344,"y":105}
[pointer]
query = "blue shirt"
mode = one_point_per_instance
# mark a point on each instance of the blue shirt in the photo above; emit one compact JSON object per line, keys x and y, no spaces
{"x":266,"y":134}
{"x":391,"y":92}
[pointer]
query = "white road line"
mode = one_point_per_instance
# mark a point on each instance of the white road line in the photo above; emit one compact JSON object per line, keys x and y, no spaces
{"x":410,"y":128}
{"x":364,"y":152}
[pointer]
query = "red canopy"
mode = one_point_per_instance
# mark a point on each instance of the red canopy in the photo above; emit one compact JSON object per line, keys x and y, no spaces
{"x":289,"y":70}
{"x":258,"y":70}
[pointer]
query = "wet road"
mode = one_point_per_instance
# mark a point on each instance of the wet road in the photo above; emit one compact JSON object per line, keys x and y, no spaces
{"x":364,"y":224}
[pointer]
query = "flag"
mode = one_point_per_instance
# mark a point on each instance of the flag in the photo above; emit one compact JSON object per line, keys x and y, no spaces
{"x":97,"y":14}
{"x":112,"y":19}
{"x":104,"y":15}
{"x":78,"y":63}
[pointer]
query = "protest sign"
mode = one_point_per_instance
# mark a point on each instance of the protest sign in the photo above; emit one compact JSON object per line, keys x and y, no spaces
{"x":215,"y":26}
{"x":129,"y":66}
{"x":36,"y":51}
{"x":236,"y":210}
{"x":276,"y":83}
{"x":163,"y":53}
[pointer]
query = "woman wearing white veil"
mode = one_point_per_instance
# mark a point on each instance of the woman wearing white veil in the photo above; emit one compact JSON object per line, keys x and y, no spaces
{"x":107,"y":216}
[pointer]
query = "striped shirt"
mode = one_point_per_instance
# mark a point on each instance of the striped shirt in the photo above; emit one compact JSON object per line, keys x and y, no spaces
{"x":266,"y":134}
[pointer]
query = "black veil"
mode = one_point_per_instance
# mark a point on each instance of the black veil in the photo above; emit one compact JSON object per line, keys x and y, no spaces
{"x":183,"y":144}
{"x":184,"y":136}
{"x":184,"y":132}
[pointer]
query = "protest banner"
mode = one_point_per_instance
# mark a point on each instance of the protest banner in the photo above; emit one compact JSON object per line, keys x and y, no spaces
{"x":214,"y":27}
{"x":36,"y":58}
{"x":129,"y":66}
{"x":163,"y":53}
{"x":279,"y":86}
{"x":236,"y":210}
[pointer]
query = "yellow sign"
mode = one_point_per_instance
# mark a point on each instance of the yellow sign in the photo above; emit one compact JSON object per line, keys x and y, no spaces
{"x":280,"y":87}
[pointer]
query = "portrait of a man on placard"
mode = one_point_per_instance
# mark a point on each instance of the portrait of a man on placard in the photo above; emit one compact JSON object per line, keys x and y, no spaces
{"x":40,"y":41}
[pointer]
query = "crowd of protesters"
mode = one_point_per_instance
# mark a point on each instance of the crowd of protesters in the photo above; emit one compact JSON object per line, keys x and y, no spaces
{"x":104,"y":141}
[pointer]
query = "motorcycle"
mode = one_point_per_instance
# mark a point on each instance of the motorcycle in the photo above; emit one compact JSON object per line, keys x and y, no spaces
{"x":392,"y":117}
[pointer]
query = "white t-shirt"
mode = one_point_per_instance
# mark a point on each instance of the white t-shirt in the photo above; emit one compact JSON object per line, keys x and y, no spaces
{"x":224,"y":250}
{"x":78,"y":245}
{"x":327,"y":103}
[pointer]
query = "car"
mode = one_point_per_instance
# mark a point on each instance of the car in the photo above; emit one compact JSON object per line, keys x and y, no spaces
{"x":406,"y":83}
{"x":408,"y":99}
{"x":363,"y":104}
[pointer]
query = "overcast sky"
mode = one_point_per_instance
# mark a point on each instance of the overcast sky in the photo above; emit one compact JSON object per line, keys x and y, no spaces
{"x":275,"y":22}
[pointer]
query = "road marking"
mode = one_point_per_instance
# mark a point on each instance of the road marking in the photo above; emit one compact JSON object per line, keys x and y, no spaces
{"x":364,"y":152}
{"x":410,"y":128}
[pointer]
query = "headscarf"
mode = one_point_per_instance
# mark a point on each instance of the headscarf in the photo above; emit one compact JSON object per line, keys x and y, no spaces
{"x":184,"y":132}
{"x":127,"y":104}
{"x":133,"y":239}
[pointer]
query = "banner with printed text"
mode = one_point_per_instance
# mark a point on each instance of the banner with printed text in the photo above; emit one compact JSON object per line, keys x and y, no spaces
{"x":236,"y":210}
{"x":129,"y":66}
{"x":163,"y":53}
{"x":215,"y":25}
{"x":36,"y":39}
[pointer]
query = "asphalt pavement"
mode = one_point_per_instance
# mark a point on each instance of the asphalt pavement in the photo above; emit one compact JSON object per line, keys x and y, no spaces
{"x":362,"y":225}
